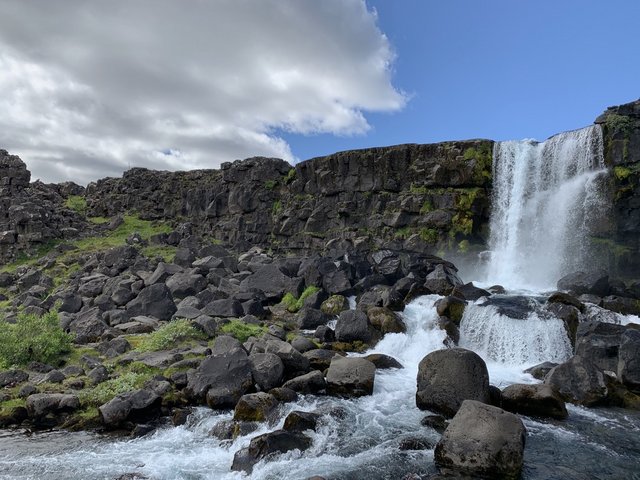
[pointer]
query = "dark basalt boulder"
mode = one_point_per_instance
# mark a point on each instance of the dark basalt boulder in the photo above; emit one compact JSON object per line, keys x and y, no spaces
{"x":153,"y":301}
{"x":303,"y":344}
{"x":320,"y":358}
{"x":469,"y":292}
{"x":162,"y":272}
{"x":578,"y":381}
{"x":623,"y":305}
{"x":566,"y":299}
{"x":448,"y":377}
{"x":629,"y":359}
{"x":350,"y":377}
{"x":452,"y":308}
{"x":42,"y":404}
{"x":311,"y":318}
{"x":334,"y":305}
{"x":267,"y":370}
{"x":88,"y":326}
{"x":225,"y":308}
{"x":595,"y":283}
{"x":263,"y":446}
{"x":536,"y":400}
{"x":541,"y":370}
{"x":442,"y":280}
{"x":482,"y":441}
{"x":255,"y":407}
{"x":292,"y":359}
{"x":354,"y":325}
{"x":382,"y":361}
{"x":385,"y":320}
{"x":11,"y":378}
{"x":599,"y":343}
{"x":309,"y":383}
{"x":137,"y":406}
{"x":273,"y":282}
{"x":185,"y":284}
{"x":298,"y":421}
{"x":221,"y":378}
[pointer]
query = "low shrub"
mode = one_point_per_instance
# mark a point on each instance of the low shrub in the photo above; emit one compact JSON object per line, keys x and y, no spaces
{"x":33,"y":339}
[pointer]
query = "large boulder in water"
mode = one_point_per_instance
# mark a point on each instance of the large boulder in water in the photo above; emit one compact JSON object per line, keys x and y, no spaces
{"x":354,"y":325}
{"x":595,"y":283}
{"x":629,"y":359}
{"x":280,"y":441}
{"x":442,"y":280}
{"x":350,"y":376}
{"x":482,"y":441}
{"x":448,"y":377}
{"x":578,"y":381}
{"x":537,"y":400}
{"x":599,"y":343}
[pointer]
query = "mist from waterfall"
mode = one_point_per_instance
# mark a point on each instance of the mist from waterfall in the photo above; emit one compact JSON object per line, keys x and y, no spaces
{"x":548,"y":198}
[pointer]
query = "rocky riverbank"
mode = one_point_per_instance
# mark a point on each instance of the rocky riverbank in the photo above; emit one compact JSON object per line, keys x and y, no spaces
{"x":153,"y":337}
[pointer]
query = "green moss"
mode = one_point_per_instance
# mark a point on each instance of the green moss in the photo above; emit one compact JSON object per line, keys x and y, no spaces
{"x":290,"y":177}
{"x":418,"y":189}
{"x":270,"y":184}
{"x":33,"y":339}
{"x":242,"y":331}
{"x":166,"y":252}
{"x":294,"y":304}
{"x":276,"y":208}
{"x":7,"y":406}
{"x":429,"y":235}
{"x":619,"y":123}
{"x":99,"y":220}
{"x":461,"y":224}
{"x":76,"y":203}
{"x":289,"y":301}
{"x":463,"y":246}
{"x":483,"y":157}
{"x":169,"y":335}
{"x":105,"y":391}
{"x":621,"y":173}
{"x":465,"y":197}
{"x":427,"y":207}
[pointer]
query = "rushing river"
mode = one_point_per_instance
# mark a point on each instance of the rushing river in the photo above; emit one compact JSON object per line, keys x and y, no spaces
{"x":363,"y":441}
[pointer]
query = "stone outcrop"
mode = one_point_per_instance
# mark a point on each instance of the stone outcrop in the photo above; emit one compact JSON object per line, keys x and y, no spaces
{"x":32,"y":214}
{"x":621,"y":131}
{"x":417,"y":195}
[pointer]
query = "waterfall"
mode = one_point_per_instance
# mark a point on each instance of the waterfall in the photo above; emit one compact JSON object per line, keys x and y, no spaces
{"x":546,"y":196}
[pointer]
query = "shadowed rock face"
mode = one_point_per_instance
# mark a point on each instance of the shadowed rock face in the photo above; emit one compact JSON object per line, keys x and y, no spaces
{"x":421,"y":190}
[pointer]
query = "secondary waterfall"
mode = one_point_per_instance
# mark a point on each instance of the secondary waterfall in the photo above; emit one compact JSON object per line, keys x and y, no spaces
{"x":546,"y":199}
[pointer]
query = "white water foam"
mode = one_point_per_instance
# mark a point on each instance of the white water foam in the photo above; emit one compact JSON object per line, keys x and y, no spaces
{"x":510,"y":345}
{"x":546,"y":199}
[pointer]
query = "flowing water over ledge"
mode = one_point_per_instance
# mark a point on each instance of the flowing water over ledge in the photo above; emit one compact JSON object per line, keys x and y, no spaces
{"x":362,"y":442}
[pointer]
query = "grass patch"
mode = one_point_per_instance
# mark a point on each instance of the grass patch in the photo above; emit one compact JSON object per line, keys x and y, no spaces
{"x":33,"y":339}
{"x":7,"y":406}
{"x":166,"y":252}
{"x":429,"y":235}
{"x":99,"y":220}
{"x":169,"y":335}
{"x":290,"y":177}
{"x":242,"y":331}
{"x":270,"y":184}
{"x":76,"y":203}
{"x":427,"y":207}
{"x":418,"y":189}
{"x":294,"y":304}
{"x":276,"y":208}
{"x":105,"y":391}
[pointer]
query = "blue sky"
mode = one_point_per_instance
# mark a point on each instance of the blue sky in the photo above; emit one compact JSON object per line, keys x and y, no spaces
{"x":498,"y":69}
{"x":90,"y":89}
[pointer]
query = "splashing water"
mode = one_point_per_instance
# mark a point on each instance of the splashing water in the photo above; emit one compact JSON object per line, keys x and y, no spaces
{"x":547,"y":198}
{"x":510,"y":345}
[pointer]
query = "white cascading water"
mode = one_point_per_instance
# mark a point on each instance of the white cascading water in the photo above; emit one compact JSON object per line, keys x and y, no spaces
{"x":546,"y":198}
{"x":509,"y":345}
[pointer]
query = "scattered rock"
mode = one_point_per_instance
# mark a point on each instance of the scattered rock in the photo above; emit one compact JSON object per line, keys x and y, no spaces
{"x":255,"y":407}
{"x":350,"y":376}
{"x":448,"y":377}
{"x":538,"y":400}
{"x":483,"y":441}
{"x":279,"y":441}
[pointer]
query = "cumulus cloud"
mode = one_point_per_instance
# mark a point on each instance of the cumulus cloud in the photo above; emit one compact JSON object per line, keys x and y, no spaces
{"x":89,"y":89}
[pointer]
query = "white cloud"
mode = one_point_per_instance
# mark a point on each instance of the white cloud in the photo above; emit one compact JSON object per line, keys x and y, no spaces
{"x":92,"y":88}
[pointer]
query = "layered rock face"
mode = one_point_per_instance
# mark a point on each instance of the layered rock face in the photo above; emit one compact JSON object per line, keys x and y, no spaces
{"x":621,"y":129}
{"x":417,"y":196}
{"x":31,"y":214}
